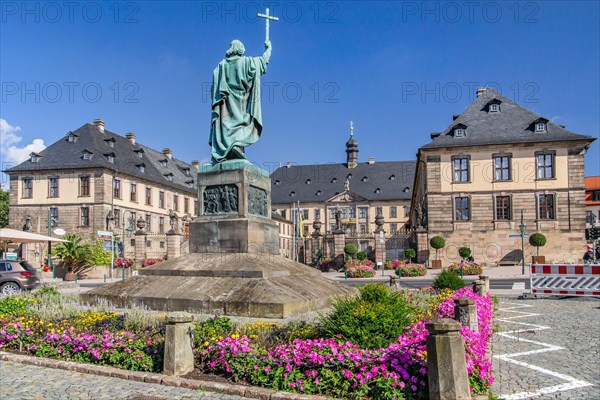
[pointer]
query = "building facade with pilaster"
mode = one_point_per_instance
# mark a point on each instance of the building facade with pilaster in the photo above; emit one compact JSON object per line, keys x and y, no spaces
{"x":493,"y":162}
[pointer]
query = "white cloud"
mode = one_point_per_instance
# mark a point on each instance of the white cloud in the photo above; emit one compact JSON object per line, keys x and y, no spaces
{"x":9,"y":149}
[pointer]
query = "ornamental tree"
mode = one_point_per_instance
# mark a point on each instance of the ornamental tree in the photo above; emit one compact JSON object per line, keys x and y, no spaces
{"x":437,"y":242}
{"x":537,"y":240}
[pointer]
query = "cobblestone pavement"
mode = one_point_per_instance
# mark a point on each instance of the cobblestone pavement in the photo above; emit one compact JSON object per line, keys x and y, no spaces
{"x":547,"y":349}
{"x":29,"y":382}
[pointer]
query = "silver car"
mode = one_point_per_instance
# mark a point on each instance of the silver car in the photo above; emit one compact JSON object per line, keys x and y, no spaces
{"x":16,"y":276}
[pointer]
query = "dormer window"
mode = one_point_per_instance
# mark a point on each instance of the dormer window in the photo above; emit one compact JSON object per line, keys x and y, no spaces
{"x":190,"y":184}
{"x":406,"y":189}
{"x":540,"y":127}
{"x":72,"y":138}
{"x":349,"y":176}
{"x":140,"y":153}
{"x":459,"y":132}
{"x":377,"y":191}
{"x":494,"y":107}
{"x":110,"y":142}
{"x":87,"y":155}
{"x":364,"y":179}
{"x":34,"y":157}
{"x":277,"y":183}
{"x":318,"y":193}
{"x":292,"y":194}
{"x":110,"y":158}
{"x":308,"y":182}
{"x":392,"y":177}
{"x":334,"y":180}
{"x":186,"y":171}
{"x":164,"y":163}
{"x":141,"y":167}
{"x":169,"y":177}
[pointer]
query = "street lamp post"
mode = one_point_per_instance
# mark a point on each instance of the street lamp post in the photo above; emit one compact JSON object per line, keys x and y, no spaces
{"x":522,"y":227}
{"x":51,"y":223}
{"x":126,"y":233}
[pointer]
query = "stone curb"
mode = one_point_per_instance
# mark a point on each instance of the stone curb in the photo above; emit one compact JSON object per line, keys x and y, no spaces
{"x":149,"y":377}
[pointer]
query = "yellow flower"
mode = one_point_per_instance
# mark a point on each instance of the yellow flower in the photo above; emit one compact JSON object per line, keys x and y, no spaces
{"x":205,"y":344}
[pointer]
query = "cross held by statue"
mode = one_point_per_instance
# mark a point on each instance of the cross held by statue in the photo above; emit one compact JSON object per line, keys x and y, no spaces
{"x":267,"y":18}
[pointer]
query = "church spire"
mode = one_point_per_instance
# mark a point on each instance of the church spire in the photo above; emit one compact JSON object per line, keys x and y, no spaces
{"x":352,"y":149}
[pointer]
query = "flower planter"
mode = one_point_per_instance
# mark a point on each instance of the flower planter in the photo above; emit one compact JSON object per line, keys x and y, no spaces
{"x":436,"y":264}
{"x":538,"y":259}
{"x":70,"y":277}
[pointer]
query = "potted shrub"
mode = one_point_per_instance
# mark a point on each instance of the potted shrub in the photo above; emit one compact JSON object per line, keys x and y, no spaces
{"x":361,"y":255}
{"x":75,"y":255}
{"x":464,"y":253}
{"x":350,"y":250}
{"x":437,"y":242}
{"x":537,"y":240}
{"x":410,"y":254}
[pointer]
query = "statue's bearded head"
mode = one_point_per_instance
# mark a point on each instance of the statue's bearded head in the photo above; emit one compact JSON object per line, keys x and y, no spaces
{"x":236,"y":49}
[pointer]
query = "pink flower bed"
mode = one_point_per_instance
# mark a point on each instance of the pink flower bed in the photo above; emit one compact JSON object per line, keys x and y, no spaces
{"x":360,"y":269}
{"x":342,"y":369}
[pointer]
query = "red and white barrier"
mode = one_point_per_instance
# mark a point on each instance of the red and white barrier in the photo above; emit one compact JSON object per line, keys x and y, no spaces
{"x":565,"y":279}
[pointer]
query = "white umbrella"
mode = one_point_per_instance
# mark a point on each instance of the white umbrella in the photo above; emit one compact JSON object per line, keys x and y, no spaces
{"x":16,"y":236}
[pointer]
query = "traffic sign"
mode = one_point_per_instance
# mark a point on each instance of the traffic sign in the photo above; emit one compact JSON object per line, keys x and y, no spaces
{"x":59,"y":231}
{"x":524,"y":235}
{"x":105,"y":233}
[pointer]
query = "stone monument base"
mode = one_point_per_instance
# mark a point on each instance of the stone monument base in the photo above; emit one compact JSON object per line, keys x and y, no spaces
{"x":236,"y":284}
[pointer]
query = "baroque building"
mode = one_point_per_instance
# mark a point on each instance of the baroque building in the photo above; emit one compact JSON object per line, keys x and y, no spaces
{"x":495,"y":162}
{"x":358,"y":190}
{"x":93,"y":179}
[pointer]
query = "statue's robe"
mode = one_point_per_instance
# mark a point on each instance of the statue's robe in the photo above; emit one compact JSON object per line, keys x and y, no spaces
{"x":236,"y":113}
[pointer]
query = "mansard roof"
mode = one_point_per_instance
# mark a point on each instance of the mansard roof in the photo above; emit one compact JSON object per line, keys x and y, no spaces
{"x":63,"y":155}
{"x":511,"y":125}
{"x":321,"y":182}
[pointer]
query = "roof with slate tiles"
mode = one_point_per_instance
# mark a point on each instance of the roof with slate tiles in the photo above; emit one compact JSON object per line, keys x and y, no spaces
{"x":388,"y":180}
{"x":512,"y":124}
{"x":64,"y":154}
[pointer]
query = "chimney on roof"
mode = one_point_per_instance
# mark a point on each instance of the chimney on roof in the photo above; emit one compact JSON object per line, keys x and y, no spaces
{"x":289,"y":164}
{"x":99,"y":122}
{"x":167,"y":152}
{"x":131,"y":137}
{"x":195,"y":163}
{"x":371,"y":160}
{"x":457,"y":115}
{"x":480,"y":91}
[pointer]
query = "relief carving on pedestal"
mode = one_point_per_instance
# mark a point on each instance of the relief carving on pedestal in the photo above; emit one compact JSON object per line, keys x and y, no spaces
{"x":220,"y":199}
{"x":257,"y":201}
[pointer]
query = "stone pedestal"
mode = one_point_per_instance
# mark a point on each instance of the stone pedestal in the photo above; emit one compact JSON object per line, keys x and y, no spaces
{"x":446,"y":363}
{"x":486,"y":281}
{"x":173,"y":244}
{"x":234,"y":214}
{"x":380,"y":247}
{"x":465,"y":312}
{"x":178,"y":358}
{"x":140,"y":247}
{"x":339,"y":242}
{"x":422,"y":246}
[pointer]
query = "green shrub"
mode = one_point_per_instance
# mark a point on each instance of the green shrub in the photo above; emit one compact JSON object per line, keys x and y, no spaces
{"x":213,"y":328}
{"x":537,"y":240}
{"x":464,"y":252}
{"x":350,"y":249}
{"x":361,"y":255}
{"x":15,"y":304}
{"x":448,"y":280}
{"x":410,"y":253}
{"x":437,"y":242}
{"x":374,"y":318}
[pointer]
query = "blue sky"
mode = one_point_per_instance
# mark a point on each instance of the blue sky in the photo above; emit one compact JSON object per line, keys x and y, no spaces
{"x":399,"y":70}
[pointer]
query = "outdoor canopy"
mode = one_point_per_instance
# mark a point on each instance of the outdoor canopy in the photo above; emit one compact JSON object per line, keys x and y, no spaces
{"x":13,"y":235}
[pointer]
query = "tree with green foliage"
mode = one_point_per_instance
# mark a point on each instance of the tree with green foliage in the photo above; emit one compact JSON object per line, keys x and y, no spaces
{"x":361,"y":255}
{"x":350,"y":249}
{"x":448,"y":280}
{"x":437,"y":242}
{"x":97,"y":254}
{"x":537,"y":240}
{"x":75,"y":254}
{"x":3,"y":209}
{"x":464,"y":252}
{"x":410,"y":253}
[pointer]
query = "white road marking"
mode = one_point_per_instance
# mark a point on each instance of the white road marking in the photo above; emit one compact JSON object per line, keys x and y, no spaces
{"x":572,"y":383}
{"x":518,"y":286}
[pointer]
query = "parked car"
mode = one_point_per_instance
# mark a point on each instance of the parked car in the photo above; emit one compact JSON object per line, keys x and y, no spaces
{"x":16,"y":276}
